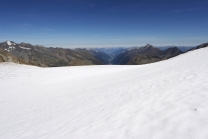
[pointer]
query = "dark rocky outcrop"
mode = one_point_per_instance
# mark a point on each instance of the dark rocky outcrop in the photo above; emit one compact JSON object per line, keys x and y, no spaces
{"x":199,"y":46}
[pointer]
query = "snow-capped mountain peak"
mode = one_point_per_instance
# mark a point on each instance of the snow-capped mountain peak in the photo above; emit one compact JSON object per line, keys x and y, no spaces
{"x":9,"y":43}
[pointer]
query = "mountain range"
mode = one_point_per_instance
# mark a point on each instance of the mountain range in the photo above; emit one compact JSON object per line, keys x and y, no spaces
{"x":144,"y":55}
{"x":26,"y":53}
{"x":50,"y":57}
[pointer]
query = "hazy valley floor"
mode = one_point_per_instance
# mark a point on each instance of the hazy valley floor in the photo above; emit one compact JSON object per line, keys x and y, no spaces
{"x":163,"y":100}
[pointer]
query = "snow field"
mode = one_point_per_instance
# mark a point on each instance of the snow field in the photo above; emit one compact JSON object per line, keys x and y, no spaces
{"x":167,"y":99}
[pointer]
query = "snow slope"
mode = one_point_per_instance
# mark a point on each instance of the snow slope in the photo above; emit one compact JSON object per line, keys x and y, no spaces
{"x":164,"y":100}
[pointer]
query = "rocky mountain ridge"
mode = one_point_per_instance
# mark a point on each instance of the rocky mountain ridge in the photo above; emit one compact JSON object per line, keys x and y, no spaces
{"x":144,"y":55}
{"x":25,"y":53}
{"x":5,"y":56}
{"x":50,"y":57}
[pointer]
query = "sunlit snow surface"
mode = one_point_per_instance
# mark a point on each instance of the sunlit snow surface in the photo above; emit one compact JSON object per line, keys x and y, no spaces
{"x":164,"y":100}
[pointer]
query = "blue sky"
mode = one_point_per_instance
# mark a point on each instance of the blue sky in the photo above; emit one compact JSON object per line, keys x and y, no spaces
{"x":104,"y":23}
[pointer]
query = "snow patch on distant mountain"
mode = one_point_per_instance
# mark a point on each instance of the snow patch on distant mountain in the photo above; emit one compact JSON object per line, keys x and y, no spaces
{"x":6,"y":50}
{"x":24,"y":48}
{"x":10,"y":48}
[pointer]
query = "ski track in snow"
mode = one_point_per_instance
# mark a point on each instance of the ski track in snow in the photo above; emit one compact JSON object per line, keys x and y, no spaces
{"x":163,"y":100}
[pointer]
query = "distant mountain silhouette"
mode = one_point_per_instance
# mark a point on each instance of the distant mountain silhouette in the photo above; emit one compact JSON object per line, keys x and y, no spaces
{"x":107,"y":54}
{"x":103,"y":57}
